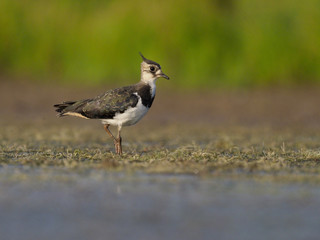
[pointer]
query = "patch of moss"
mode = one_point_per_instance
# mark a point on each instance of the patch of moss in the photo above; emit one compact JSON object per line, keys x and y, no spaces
{"x":204,"y":151}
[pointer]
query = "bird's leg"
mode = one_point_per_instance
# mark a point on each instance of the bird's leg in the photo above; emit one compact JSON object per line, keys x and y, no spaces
{"x":119,"y":141}
{"x":115,"y":142}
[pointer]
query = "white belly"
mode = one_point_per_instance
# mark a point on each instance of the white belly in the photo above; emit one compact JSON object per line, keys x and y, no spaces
{"x":129,"y":117}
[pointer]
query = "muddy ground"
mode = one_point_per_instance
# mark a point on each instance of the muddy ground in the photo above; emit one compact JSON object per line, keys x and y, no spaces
{"x":216,"y":164}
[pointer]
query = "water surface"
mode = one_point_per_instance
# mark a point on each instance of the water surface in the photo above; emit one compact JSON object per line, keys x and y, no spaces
{"x":93,"y":204}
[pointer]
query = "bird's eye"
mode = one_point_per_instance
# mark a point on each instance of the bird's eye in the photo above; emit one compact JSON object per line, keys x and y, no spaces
{"x":152,"y":68}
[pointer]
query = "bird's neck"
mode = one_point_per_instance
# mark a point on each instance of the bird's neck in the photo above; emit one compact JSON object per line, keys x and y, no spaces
{"x":153,"y":88}
{"x":152,"y":83}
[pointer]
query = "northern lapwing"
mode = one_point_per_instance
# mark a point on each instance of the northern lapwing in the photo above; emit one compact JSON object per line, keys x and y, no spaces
{"x":118,"y":107}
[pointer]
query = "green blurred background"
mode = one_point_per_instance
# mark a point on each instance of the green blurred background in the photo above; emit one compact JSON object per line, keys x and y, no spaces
{"x":220,"y":43}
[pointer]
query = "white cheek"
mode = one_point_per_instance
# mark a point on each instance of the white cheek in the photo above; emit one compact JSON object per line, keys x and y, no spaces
{"x":147,"y":76}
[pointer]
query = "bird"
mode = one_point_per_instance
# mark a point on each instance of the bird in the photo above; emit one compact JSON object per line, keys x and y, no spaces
{"x":118,"y":107}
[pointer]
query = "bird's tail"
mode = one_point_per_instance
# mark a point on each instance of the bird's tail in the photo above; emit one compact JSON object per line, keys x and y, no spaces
{"x":60,"y":108}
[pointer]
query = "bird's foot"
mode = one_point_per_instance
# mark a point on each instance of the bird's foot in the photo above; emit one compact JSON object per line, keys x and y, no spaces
{"x":120,"y":146}
{"x":117,"y":145}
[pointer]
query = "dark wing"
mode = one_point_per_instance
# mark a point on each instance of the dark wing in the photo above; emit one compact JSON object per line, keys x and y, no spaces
{"x":104,"y":106}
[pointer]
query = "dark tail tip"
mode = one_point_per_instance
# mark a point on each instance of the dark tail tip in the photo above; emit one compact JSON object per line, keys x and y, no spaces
{"x":62,"y":106}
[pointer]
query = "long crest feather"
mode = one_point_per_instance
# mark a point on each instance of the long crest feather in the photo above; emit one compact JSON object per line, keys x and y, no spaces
{"x":149,"y":61}
{"x":143,"y":58}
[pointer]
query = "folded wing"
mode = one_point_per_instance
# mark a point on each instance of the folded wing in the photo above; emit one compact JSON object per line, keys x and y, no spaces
{"x":104,"y":106}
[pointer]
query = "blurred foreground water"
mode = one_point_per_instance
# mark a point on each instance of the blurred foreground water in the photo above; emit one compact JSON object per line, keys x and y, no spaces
{"x":54,"y":203}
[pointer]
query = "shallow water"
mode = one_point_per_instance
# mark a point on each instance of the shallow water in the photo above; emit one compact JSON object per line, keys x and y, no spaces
{"x":92,"y":204}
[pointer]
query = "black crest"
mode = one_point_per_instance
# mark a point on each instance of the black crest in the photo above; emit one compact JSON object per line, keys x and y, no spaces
{"x":149,"y":61}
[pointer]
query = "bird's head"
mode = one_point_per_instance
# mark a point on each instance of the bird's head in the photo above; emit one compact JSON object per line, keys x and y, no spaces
{"x":150,"y":70}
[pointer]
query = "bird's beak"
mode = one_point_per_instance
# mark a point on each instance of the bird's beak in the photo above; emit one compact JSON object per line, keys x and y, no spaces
{"x":161,"y":74}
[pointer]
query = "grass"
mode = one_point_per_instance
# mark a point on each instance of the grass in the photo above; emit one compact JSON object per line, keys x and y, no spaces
{"x":268,"y":134}
{"x":65,"y":176}
{"x":204,"y":151}
{"x":199,"y":44}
